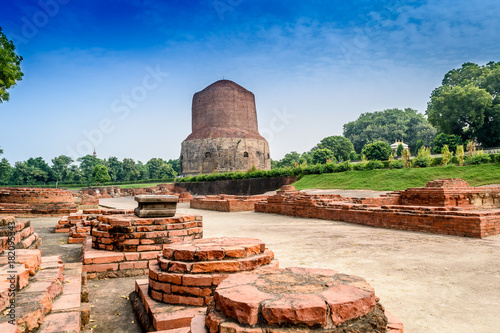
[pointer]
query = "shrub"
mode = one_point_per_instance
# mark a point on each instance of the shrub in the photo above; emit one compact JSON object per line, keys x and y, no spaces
{"x":478,"y":158}
{"x":378,"y":150}
{"x":330,"y":167}
{"x":423,"y":158}
{"x":354,"y":157}
{"x":447,"y":155}
{"x":495,"y":158}
{"x":406,"y":158}
{"x":372,"y":165}
{"x":322,"y":156}
{"x":460,"y":154}
{"x":397,"y":164}
{"x":344,"y":166}
{"x":400,"y":149}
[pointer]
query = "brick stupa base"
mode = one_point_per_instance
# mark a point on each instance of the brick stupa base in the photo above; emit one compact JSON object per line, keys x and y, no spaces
{"x":36,"y":201}
{"x":296,"y":300}
{"x":17,"y":234}
{"x":227,"y":203}
{"x":126,"y":245}
{"x":183,"y":281}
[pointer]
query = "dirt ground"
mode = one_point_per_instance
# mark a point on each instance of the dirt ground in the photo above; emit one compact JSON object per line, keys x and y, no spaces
{"x":432,"y":283}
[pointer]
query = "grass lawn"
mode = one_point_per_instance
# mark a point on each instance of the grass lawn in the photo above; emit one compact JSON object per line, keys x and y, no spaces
{"x":400,"y":179}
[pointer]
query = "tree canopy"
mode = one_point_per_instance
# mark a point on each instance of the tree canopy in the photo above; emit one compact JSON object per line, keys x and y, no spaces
{"x":390,"y":125}
{"x":323,"y":155}
{"x":467,"y":103}
{"x":378,"y":150}
{"x":10,"y":66}
{"x":339,"y":145}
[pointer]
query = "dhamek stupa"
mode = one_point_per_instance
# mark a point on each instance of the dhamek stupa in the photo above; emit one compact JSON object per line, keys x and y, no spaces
{"x":225,"y":135}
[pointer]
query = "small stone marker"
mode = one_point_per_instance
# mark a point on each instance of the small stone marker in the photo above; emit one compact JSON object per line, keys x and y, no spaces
{"x":156,"y":205}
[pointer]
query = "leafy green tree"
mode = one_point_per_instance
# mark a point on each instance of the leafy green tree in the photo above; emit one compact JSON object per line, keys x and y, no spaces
{"x":400,"y":149}
{"x":176,"y":165}
{"x":87,"y":164}
{"x":115,"y":169}
{"x":305,"y":158}
{"x":322,"y":155}
{"x":60,"y":167}
{"x":75,"y":175}
{"x":28,"y":174}
{"x":5,"y":171}
{"x":166,"y":171}
{"x":40,"y":164}
{"x":10,"y":66}
{"x":379,"y":150}
{"x":289,"y":160}
{"x":419,"y":145}
{"x":450,"y":140}
{"x":154,"y":166}
{"x":100,"y":174}
{"x":447,"y":155}
{"x":390,"y":125}
{"x":339,"y":145}
{"x":130,"y":171}
{"x":143,"y":171}
{"x":468,"y":103}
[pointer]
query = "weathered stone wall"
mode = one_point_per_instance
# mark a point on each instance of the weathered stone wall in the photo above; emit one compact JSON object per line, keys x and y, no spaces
{"x":251,"y":186}
{"x":224,"y":155}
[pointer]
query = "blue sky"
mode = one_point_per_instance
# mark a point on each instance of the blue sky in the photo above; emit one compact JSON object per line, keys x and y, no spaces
{"x":119,"y":75}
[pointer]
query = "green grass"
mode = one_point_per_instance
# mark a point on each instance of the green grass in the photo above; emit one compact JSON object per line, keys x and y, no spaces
{"x":400,"y":179}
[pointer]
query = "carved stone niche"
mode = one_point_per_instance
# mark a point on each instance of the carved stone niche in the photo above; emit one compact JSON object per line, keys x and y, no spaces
{"x":156,"y":205}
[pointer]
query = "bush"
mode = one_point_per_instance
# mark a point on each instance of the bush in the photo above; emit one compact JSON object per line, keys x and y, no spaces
{"x":359,"y":166}
{"x":330,"y":167}
{"x":344,"y":166}
{"x":378,"y":150}
{"x":354,"y":157}
{"x":423,"y":158}
{"x":397,"y":164}
{"x":495,"y":158}
{"x":447,"y":155}
{"x":478,"y":158}
{"x":372,"y":165}
{"x":436,"y":161}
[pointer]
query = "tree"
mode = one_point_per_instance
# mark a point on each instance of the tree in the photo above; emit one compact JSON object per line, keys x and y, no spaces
{"x":10,"y":66}
{"x":87,"y":164}
{"x":5,"y":171}
{"x":115,"y":168}
{"x":400,"y":149}
{"x":379,"y":150}
{"x":390,"y":125}
{"x":176,"y":165}
{"x":447,"y":155}
{"x":468,"y":103}
{"x":289,"y":160}
{"x":100,"y":174}
{"x":339,"y":145}
{"x":130,"y":171}
{"x":322,"y":155}
{"x":60,"y":166}
{"x":28,"y":174}
{"x":166,"y":171}
{"x":419,"y":145}
{"x":143,"y":171}
{"x":450,"y":140}
{"x":154,"y":166}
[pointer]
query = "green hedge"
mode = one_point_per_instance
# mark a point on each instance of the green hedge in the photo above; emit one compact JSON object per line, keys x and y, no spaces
{"x":336,"y":167}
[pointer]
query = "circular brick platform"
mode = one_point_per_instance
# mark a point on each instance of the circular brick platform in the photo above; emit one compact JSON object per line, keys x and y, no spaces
{"x":188,"y":273}
{"x":129,"y":233}
{"x":295,"y":299}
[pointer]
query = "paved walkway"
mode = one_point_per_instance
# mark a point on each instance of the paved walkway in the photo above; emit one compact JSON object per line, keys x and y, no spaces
{"x":432,"y":283}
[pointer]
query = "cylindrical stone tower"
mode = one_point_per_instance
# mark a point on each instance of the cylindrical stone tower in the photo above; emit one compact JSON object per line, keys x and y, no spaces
{"x":225,"y":135}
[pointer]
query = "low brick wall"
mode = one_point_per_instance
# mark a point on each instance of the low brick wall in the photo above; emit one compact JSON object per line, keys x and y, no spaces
{"x":227,"y":203}
{"x":448,"y":209}
{"x":236,"y":187}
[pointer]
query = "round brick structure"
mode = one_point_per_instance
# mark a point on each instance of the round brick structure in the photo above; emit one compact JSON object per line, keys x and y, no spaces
{"x":225,"y":134}
{"x":188,"y":273}
{"x":129,"y":233}
{"x":295,"y":299}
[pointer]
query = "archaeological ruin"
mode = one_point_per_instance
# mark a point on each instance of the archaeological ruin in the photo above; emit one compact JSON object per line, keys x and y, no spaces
{"x":225,"y":135}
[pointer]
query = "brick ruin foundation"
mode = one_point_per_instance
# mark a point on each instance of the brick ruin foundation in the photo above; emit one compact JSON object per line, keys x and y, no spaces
{"x":183,"y":281}
{"x":295,"y":300}
{"x":44,"y":297}
{"x":105,"y":192}
{"x":36,"y":201}
{"x":445,"y":206}
{"x":20,"y":232}
{"x":227,"y":203}
{"x":126,"y":245}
